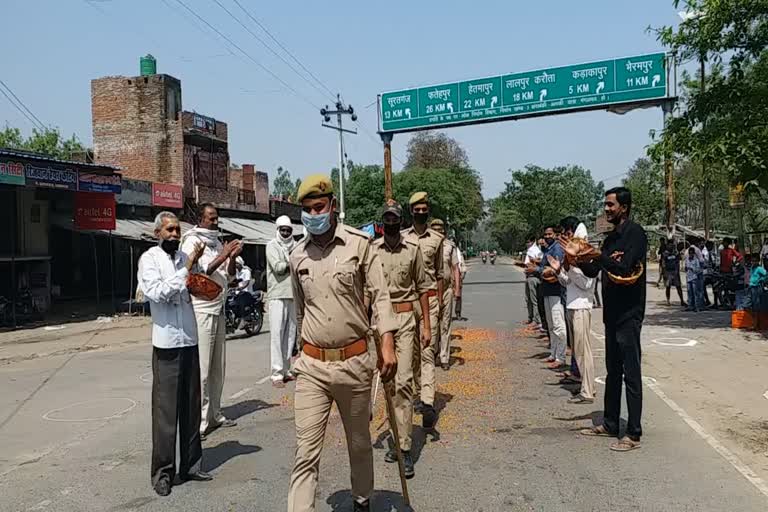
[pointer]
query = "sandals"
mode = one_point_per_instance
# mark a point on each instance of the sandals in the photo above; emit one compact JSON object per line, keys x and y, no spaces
{"x":596,"y":431}
{"x":578,"y":399}
{"x":625,"y":444}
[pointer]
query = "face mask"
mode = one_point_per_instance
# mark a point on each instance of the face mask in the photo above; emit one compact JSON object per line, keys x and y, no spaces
{"x":391,"y":229}
{"x":170,"y":246}
{"x":420,"y":218}
{"x":316,"y":224}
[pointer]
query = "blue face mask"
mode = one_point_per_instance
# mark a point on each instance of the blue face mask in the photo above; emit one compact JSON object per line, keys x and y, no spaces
{"x":316,"y":224}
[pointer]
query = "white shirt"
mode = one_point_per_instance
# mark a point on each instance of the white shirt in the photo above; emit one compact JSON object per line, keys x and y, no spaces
{"x":578,"y":288}
{"x":246,"y":279}
{"x":533,"y":253}
{"x":462,"y":264}
{"x":215,"y":306}
{"x":163,"y":280}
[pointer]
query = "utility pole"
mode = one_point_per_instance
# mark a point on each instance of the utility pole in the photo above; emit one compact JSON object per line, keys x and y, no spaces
{"x":386,"y":138}
{"x":340,"y":111}
{"x":669,"y":177}
{"x":704,"y":177}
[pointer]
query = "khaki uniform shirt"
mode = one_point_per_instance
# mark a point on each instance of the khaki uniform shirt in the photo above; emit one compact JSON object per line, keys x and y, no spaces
{"x":328,"y":289}
{"x":403,"y":269}
{"x":450,"y":261}
{"x":430,"y":242}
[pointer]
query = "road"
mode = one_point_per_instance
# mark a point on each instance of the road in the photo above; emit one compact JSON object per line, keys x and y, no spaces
{"x":75,"y":426}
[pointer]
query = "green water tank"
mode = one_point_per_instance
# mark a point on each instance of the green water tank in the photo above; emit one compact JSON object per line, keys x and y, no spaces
{"x":148,"y":65}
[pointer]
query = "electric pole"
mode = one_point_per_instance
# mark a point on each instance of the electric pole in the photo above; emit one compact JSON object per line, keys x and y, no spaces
{"x":340,"y":111}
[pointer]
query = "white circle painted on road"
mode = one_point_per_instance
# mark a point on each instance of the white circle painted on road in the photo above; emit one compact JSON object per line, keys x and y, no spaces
{"x":91,"y":410}
{"x":765,"y":395}
{"x":146,"y":377}
{"x":647,"y":380}
{"x":675,"y":342}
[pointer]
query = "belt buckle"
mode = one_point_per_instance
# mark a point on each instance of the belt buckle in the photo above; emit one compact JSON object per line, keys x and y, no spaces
{"x":332,"y":355}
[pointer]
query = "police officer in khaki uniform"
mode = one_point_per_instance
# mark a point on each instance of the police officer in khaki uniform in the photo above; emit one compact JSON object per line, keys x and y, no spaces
{"x":404,"y":271}
{"x":451,"y":290}
{"x":331,"y":268}
{"x":431,"y":245}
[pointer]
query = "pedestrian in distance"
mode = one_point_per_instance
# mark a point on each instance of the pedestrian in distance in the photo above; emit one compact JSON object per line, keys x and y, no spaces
{"x":407,"y":281}
{"x":532,"y":256}
{"x":282,"y":314}
{"x":333,"y":269}
{"x":623,"y":260}
{"x":451,"y":292}
{"x":219,"y":262}
{"x":671,"y":262}
{"x":431,"y":245}
{"x":162,"y":277}
{"x":693,"y":277}
{"x":551,"y":291}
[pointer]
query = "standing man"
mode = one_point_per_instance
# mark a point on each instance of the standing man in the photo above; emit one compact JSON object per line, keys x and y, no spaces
{"x":282,"y":314}
{"x":624,"y":250}
{"x":332,"y":269}
{"x":219,"y":263}
{"x":532,"y":257}
{"x":431,"y":244}
{"x":463,"y":271}
{"x":451,"y":291}
{"x":407,"y":281}
{"x":671,"y":259}
{"x":551,"y":291}
{"x":162,"y":277}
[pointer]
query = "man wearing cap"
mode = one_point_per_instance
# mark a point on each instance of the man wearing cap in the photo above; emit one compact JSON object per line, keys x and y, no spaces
{"x":451,"y":290}
{"x":431,"y":245}
{"x":332,"y":269}
{"x":404,"y":271}
{"x":282,"y":324}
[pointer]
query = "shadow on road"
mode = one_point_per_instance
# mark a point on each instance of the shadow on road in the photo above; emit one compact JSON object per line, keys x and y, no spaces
{"x":674,"y":316}
{"x":245,"y":408}
{"x":490,"y":283}
{"x":217,"y":455}
{"x":382,"y":501}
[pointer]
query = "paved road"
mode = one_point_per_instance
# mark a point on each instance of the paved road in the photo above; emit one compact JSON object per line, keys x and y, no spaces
{"x":75,"y":427}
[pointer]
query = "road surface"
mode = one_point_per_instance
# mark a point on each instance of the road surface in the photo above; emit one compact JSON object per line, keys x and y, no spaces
{"x":75,"y":425}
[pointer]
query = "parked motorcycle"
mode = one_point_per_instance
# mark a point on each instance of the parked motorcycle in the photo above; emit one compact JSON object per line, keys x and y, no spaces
{"x":244,"y":306}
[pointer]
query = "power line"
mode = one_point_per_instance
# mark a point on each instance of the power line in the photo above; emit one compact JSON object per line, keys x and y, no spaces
{"x":248,"y":55}
{"x":282,"y":46}
{"x":28,"y":114}
{"x":268,"y":47}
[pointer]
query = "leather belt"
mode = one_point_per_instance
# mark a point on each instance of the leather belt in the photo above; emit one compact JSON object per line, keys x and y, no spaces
{"x":355,"y":348}
{"x":431,"y":293}
{"x":402,"y":307}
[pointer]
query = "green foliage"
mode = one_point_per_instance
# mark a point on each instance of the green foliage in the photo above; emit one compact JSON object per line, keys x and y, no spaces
{"x":435,"y":150}
{"x":48,"y":142}
{"x":645,"y":180}
{"x":283,"y":185}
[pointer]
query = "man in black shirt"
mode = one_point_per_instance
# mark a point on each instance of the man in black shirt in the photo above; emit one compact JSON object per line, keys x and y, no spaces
{"x":623,"y":311}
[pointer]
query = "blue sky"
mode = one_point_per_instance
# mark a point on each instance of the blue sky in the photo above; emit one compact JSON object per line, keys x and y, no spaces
{"x":55,"y":47}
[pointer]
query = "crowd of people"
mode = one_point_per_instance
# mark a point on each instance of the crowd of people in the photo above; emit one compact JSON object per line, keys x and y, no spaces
{"x":562,"y":271}
{"x":335,"y":293}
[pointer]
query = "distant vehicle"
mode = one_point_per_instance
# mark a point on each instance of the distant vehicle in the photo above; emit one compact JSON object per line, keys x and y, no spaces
{"x":244,"y":306}
{"x":493,"y":258}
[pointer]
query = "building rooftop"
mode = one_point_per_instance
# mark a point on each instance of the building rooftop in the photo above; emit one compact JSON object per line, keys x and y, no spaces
{"x":29,"y":155}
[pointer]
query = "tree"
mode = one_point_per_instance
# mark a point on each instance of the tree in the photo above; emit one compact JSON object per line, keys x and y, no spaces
{"x":646,"y":181}
{"x":48,"y":142}
{"x":435,"y":150}
{"x":283,"y":185}
{"x":364,"y":193}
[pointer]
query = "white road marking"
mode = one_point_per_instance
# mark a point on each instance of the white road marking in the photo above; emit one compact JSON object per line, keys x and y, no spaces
{"x":597,"y":335}
{"x":686,"y":342}
{"x":724,"y":452}
{"x":240,"y":393}
{"x":646,"y":380}
{"x":765,"y":395}
{"x":47,"y":416}
{"x":146,"y":377}
{"x":263,"y":380}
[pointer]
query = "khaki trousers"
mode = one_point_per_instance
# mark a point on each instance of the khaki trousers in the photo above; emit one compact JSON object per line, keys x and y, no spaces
{"x":318,"y":386}
{"x":212,"y":344}
{"x":405,"y":341}
{"x":581,"y":320}
{"x":424,"y":358}
{"x":445,"y":326}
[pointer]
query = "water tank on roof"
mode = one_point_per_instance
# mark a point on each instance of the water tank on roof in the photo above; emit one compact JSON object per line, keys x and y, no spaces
{"x":148,"y":65}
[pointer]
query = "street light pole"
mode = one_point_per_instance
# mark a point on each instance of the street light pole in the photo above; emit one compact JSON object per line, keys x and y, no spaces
{"x":340,"y":111}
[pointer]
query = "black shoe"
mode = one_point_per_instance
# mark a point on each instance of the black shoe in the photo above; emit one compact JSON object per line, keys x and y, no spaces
{"x":408,"y":465}
{"x":418,"y":406}
{"x":429,"y":417}
{"x":199,"y":476}
{"x":391,"y":456}
{"x":445,"y":367}
{"x":365,"y":507}
{"x":163,"y":486}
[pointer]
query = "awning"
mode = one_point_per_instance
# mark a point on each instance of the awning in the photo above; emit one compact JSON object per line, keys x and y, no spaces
{"x":131,"y":229}
{"x":254,"y":232}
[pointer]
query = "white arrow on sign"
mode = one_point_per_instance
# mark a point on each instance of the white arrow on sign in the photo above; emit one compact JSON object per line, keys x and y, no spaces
{"x":408,"y":112}
{"x":494,"y":101}
{"x":656,"y":80}
{"x":450,"y":107}
{"x":542,"y":94}
{"x":600,"y":87}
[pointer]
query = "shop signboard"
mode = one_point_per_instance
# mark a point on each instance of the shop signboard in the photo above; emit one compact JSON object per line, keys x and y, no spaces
{"x":167,"y":195}
{"x":12,"y":173}
{"x":89,"y":182}
{"x":49,"y":177}
{"x":95,"y":210}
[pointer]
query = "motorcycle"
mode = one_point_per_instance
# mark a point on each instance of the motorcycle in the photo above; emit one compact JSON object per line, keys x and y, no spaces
{"x":484,"y":257}
{"x":244,"y":306}
{"x":493,"y":259}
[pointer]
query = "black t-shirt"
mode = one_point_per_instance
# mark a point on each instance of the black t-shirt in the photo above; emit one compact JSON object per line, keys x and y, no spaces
{"x":671,"y":261}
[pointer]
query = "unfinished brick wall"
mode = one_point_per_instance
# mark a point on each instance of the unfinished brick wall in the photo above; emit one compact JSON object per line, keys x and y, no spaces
{"x":261,"y":191}
{"x":137,"y":126}
{"x":220,"y":130}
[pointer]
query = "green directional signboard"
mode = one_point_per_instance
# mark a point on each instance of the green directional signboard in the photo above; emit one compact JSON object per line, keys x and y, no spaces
{"x":629,"y":80}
